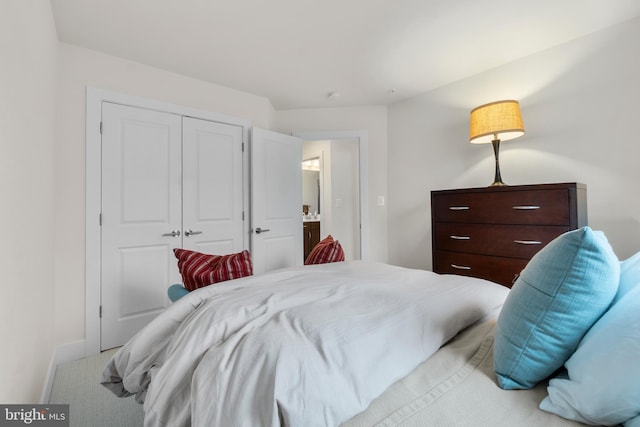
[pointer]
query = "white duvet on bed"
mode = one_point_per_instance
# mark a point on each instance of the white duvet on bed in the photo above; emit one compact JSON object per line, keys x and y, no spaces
{"x":309,"y":346}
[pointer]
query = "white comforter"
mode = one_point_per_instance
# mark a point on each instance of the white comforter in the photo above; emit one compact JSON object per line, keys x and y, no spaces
{"x":309,"y":346}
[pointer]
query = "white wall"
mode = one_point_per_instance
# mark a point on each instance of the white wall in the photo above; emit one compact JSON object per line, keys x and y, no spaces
{"x":373,"y":120}
{"x":28,"y":52}
{"x":580,"y":104}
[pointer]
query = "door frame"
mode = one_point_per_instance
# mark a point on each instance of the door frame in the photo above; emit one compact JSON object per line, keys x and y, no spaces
{"x":362,"y":137}
{"x":93,"y":174}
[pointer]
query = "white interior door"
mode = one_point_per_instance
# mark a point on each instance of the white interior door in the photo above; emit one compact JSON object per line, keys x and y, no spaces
{"x":212,"y":187}
{"x":141,"y":217}
{"x":276,"y":201}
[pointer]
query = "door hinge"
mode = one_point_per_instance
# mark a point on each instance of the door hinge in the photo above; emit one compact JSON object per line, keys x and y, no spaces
{"x":100,"y":128}
{"x":243,"y":215}
{"x":100,"y":219}
{"x":100,"y":312}
{"x":243,"y":147}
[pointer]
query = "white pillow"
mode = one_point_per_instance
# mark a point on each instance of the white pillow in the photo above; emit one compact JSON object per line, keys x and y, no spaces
{"x":604,"y":372}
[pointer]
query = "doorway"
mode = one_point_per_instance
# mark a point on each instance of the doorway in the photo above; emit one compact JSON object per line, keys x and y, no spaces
{"x":342,"y":187}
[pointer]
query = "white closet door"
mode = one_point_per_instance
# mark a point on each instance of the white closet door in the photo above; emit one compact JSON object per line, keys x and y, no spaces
{"x":212,"y":187}
{"x":141,"y":217}
{"x":276,"y":200}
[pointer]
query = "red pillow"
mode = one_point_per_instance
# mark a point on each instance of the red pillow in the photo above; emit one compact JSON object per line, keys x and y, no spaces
{"x":327,"y":250}
{"x":199,"y":270}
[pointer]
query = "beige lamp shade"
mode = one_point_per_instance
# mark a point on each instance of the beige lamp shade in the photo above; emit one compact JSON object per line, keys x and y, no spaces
{"x":498,"y":120}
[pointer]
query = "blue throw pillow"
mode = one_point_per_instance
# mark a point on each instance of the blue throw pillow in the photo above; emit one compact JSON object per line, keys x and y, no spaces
{"x":560,"y":294}
{"x":629,"y":275}
{"x":633,"y":422}
{"x":603,"y":384}
{"x":176,"y":292}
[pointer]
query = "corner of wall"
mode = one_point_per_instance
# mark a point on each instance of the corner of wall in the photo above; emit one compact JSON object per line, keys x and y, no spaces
{"x":61,"y":354}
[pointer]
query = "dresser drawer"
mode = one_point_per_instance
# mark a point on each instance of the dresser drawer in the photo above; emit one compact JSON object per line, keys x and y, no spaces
{"x":544,"y":207}
{"x":515,"y":241}
{"x":496,"y":269}
{"x":492,"y":232}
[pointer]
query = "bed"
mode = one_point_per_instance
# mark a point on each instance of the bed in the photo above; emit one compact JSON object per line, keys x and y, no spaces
{"x":351,"y":343}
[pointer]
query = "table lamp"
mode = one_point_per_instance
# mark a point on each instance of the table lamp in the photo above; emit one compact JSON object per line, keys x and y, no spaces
{"x":495,"y":122}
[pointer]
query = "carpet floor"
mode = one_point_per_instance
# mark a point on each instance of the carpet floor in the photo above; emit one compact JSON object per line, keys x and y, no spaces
{"x":90,"y":404}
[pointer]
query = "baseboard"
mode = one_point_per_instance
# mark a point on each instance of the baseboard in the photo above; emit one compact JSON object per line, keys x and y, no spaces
{"x":61,"y":354}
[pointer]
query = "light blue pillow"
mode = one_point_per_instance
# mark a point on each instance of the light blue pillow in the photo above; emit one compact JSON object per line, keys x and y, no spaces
{"x":176,"y":292}
{"x":603,"y":384}
{"x":633,"y":422}
{"x":559,"y":295}
{"x":629,"y":275}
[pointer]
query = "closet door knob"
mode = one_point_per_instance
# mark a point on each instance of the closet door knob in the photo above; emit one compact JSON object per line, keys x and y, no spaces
{"x":174,"y":233}
{"x":191,"y":233}
{"x":261,"y":230}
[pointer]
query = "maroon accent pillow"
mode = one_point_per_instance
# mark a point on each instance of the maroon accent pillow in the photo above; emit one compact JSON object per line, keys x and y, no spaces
{"x":327,"y":250}
{"x":199,"y":270}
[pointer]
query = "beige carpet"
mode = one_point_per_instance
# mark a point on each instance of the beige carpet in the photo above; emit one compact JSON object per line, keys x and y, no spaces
{"x":90,"y":404}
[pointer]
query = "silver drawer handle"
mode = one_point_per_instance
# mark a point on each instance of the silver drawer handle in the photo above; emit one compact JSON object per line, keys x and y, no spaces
{"x":460,"y":267}
{"x":526,"y":208}
{"x":527,"y":242}
{"x":459,"y":208}
{"x":191,"y":233}
{"x":460,"y":237}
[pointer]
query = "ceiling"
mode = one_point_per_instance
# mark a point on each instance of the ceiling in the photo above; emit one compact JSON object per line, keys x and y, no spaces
{"x":297,"y":52}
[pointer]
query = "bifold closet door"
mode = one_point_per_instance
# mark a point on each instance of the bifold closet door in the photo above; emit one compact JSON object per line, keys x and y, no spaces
{"x":168,"y":182}
{"x":141,"y":217}
{"x":212,"y":187}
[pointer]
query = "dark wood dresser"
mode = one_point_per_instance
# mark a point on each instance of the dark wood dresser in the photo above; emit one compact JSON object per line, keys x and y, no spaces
{"x":492,"y":232}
